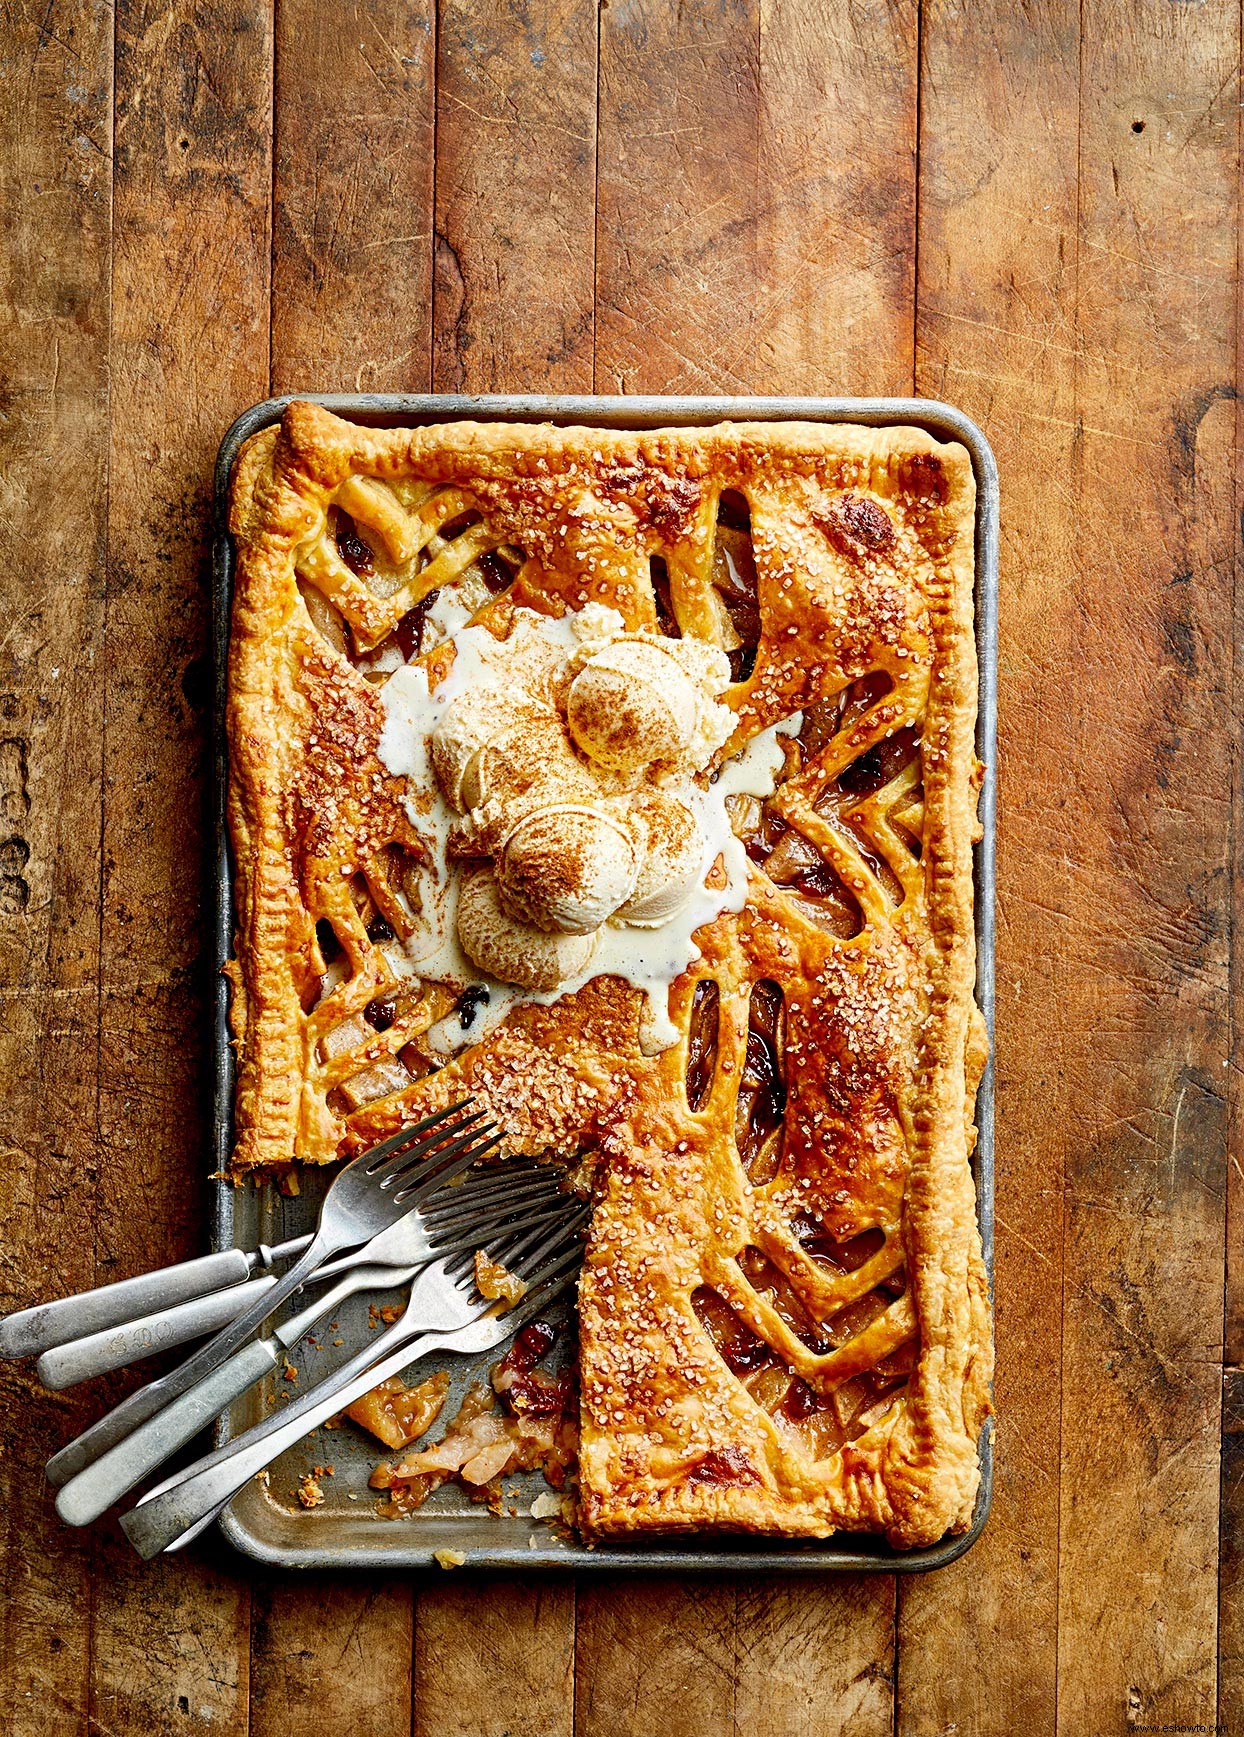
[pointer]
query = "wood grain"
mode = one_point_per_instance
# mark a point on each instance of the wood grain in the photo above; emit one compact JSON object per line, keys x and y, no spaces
{"x":1145,"y":972}
{"x":352,"y":308}
{"x":732,"y":256}
{"x":678,"y":159}
{"x":1233,"y":1330}
{"x":996,"y":335}
{"x":512,"y":312}
{"x":189,"y":351}
{"x":1231,"y":1556}
{"x":330,"y":1655}
{"x":495,"y":1659}
{"x":835,"y":218}
{"x":660,"y":1651}
{"x":515,"y":184}
{"x":814,"y":1656}
{"x":1231,"y":1489}
{"x":353,"y":146}
{"x":55,"y":191}
{"x":169,"y":1649}
{"x":725,"y":199}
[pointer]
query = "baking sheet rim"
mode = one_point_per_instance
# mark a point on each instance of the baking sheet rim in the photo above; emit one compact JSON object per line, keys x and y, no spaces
{"x":841,"y":1553}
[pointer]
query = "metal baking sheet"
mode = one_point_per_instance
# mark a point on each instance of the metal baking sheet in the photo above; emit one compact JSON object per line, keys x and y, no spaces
{"x":266,"y":1521}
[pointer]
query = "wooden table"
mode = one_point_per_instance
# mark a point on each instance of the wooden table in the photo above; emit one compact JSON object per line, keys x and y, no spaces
{"x":1029,"y":209}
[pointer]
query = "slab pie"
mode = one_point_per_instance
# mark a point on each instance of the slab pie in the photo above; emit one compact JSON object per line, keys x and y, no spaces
{"x":783,"y":1315}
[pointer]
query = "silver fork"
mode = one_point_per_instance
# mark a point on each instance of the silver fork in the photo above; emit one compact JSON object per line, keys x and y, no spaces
{"x":440,"y":1315}
{"x":373,"y":1191}
{"x":29,"y":1332}
{"x":130,"y":1341}
{"x":451,"y":1221}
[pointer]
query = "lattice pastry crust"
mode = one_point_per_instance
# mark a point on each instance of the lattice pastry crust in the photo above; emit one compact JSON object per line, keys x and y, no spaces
{"x":784,"y":1317}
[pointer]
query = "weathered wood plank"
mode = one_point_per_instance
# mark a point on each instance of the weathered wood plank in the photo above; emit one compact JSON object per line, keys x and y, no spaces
{"x":996,"y":336}
{"x":495,"y":1659}
{"x":190,"y":350}
{"x":1233,"y":1330}
{"x":1145,"y":949}
{"x":757,"y":197}
{"x":676,"y":236}
{"x":814,"y":1656}
{"x":655,"y":1655}
{"x":515,"y":168}
{"x":834,"y":247}
{"x":1112,"y":992}
{"x":836,"y":198}
{"x":1231,"y":1489}
{"x":55,"y":186}
{"x":789,"y":1656}
{"x":735,"y":255}
{"x":1231,"y":1556}
{"x":353,"y":143}
{"x":170,"y":1648}
{"x":329,"y":1655}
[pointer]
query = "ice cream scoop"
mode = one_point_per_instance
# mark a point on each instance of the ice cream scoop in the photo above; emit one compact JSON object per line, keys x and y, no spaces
{"x":473,"y":720}
{"x":529,"y":751}
{"x":632,"y":705}
{"x":671,"y":856}
{"x":514,"y":951}
{"x":567,"y":867}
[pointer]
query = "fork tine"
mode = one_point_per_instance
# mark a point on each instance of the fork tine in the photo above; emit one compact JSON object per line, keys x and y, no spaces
{"x":467,"y":1239}
{"x":474,"y":1201}
{"x":406,"y":1136}
{"x":533,"y":1245}
{"x":479,"y":1193}
{"x":552,"y":1277}
{"x":538,"y":1297}
{"x":515,"y":1167}
{"x":518,"y":1252}
{"x":422,"y":1165}
{"x":459,"y":1155}
{"x":516,"y":1170}
{"x":555,"y":1270}
{"x":514,"y":1173}
{"x":516,"y":1244}
{"x":492,"y":1204}
{"x":424,"y":1154}
{"x":500,"y":1219}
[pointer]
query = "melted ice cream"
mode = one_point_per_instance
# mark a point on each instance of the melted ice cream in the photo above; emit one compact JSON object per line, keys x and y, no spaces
{"x":650,"y":957}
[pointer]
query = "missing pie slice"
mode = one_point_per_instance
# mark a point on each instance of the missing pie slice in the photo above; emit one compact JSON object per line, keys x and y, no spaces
{"x":626,"y":782}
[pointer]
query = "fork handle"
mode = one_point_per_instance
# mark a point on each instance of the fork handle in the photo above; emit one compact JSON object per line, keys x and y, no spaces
{"x":31,"y":1331}
{"x":113,"y":1427}
{"x":85,"y":1497}
{"x":194,"y":1499}
{"x":101,"y":1437}
{"x":65,"y":1365}
{"x":99,"y":1353}
{"x":97,"y":1486}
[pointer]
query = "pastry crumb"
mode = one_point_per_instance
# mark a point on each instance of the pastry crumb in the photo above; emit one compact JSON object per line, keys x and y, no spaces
{"x":494,"y":1282}
{"x":398,"y":1415}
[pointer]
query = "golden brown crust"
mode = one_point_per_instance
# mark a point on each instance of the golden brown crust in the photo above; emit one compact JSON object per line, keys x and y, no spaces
{"x":804,"y":1343}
